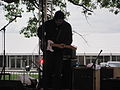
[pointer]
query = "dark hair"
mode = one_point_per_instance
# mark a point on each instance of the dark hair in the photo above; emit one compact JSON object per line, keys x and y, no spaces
{"x":59,"y":15}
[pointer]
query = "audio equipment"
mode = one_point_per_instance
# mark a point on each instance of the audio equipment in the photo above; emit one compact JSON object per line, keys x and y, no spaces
{"x":83,"y":79}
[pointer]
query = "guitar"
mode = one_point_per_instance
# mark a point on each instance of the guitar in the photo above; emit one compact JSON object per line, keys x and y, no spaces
{"x":52,"y":44}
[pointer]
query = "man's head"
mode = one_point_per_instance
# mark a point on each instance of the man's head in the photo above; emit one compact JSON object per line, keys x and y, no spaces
{"x":59,"y":17}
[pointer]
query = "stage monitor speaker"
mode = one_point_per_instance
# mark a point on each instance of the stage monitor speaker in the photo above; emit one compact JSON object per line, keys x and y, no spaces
{"x":82,"y":78}
{"x":106,"y":73}
{"x":110,"y":78}
{"x":11,"y":85}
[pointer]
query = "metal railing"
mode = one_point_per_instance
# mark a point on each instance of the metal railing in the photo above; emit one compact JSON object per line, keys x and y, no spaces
{"x":14,"y":74}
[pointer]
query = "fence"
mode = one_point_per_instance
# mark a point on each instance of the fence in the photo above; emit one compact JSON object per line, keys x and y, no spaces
{"x":14,"y":74}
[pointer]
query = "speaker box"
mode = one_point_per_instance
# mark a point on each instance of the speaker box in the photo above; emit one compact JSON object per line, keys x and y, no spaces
{"x":109,"y":72}
{"x":85,"y":79}
{"x":110,"y":78}
{"x":106,"y":73}
{"x":11,"y":85}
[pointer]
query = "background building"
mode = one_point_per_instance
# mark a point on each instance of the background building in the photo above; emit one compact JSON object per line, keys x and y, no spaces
{"x":19,"y":61}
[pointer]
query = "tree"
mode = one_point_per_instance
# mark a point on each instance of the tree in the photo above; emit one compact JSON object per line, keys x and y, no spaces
{"x":12,"y":7}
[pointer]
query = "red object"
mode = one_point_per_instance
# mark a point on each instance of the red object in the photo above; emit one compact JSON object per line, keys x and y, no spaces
{"x":41,"y":61}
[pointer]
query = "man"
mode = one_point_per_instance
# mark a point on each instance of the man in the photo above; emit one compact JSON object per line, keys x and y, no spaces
{"x":59,"y":32}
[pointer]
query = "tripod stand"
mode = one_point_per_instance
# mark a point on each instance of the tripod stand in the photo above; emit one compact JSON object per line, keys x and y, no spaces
{"x":4,"y":56}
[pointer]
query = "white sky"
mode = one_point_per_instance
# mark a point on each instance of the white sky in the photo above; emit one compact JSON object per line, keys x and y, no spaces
{"x":102,"y":21}
{"x":101,"y":31}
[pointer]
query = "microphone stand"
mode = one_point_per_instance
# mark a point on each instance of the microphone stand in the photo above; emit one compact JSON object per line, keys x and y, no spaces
{"x":4,"y":56}
{"x":94,"y":68}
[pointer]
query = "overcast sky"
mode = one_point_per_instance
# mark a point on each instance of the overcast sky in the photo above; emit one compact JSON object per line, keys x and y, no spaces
{"x":101,"y":31}
{"x":101,"y":21}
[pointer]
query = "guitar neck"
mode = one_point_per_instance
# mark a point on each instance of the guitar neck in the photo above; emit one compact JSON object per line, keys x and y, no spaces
{"x":65,"y":46}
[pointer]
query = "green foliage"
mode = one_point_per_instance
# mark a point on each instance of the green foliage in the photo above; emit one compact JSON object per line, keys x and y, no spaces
{"x":86,"y":2}
{"x":59,"y":3}
{"x":12,"y":11}
{"x":29,"y":6}
{"x":88,"y":6}
{"x":31,"y":28}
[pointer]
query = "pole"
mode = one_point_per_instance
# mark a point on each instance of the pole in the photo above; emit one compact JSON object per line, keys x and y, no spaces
{"x":45,"y":17}
{"x":41,"y":21}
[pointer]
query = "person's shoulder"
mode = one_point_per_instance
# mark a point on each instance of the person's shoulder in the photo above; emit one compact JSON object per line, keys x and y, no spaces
{"x":67,"y":23}
{"x":49,"y":21}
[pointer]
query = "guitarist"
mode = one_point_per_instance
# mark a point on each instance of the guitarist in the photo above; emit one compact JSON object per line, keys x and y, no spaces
{"x":58,"y":31}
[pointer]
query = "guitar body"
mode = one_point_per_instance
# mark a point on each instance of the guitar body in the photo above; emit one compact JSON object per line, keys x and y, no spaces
{"x":52,"y":44}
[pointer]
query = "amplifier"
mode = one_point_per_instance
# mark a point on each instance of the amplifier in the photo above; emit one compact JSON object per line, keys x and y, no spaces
{"x":84,"y":79}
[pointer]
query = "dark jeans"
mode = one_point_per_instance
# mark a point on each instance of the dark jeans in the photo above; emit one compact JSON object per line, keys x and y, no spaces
{"x":52,"y":70}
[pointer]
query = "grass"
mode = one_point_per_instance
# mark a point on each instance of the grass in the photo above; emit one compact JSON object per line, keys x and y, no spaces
{"x":14,"y":76}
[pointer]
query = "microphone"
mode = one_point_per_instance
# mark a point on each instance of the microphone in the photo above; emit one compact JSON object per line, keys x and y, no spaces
{"x":101,"y":51}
